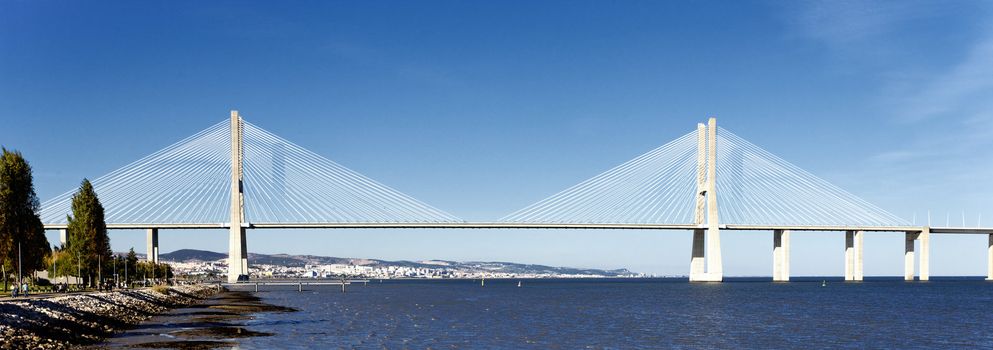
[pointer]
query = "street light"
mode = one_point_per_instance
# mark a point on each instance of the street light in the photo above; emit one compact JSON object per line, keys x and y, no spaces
{"x":79,"y":269}
{"x":19,"y":282}
{"x":55,"y":266}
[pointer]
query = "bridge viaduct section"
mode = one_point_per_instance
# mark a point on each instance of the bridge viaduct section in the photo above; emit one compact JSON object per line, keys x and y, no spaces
{"x":705,"y":263}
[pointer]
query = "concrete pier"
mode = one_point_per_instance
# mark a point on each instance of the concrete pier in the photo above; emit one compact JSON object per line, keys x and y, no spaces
{"x":859,"y":255}
{"x":697,"y":262}
{"x":849,"y":255}
{"x":152,"y":245}
{"x":63,"y":236}
{"x":908,"y":255}
{"x":989,"y":258}
{"x":853,"y":255}
{"x":925,"y":258}
{"x":781,"y":256}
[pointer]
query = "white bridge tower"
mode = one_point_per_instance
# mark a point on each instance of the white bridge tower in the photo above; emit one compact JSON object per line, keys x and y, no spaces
{"x":237,"y":247}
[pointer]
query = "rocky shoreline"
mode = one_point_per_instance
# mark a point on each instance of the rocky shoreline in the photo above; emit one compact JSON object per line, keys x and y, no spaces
{"x":219,"y":322}
{"x":79,"y":319}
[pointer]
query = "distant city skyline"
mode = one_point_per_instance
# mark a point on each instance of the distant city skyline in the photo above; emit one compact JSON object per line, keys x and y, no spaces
{"x":481,"y":109}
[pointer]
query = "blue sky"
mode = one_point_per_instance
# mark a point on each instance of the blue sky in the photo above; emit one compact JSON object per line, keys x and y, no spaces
{"x":481,"y":108}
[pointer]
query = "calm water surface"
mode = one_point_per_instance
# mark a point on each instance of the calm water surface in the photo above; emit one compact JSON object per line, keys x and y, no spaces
{"x":625,"y":314}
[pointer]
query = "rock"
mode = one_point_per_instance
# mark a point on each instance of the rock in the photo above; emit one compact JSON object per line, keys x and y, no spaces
{"x":78,"y":319}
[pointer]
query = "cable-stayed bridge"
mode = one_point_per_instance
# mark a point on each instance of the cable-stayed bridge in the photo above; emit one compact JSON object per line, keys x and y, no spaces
{"x":235,"y":175}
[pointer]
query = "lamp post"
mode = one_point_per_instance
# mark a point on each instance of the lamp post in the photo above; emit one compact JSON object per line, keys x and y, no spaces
{"x":79,"y":270}
{"x":19,"y":281}
{"x":55,"y":266}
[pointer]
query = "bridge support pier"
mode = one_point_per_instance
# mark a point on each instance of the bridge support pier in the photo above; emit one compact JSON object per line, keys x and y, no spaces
{"x":849,"y":255}
{"x":63,"y":236}
{"x":925,"y":238}
{"x":853,"y":255}
{"x":908,"y":255}
{"x":781,"y":256}
{"x":989,"y":258}
{"x":697,"y":262}
{"x":237,"y":254}
{"x":859,"y":255}
{"x":152,"y":245}
{"x":715,"y":263}
{"x":705,"y":263}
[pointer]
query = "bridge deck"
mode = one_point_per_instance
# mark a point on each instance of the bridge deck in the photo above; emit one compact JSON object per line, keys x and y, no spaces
{"x":295,"y":283}
{"x":514,"y":225}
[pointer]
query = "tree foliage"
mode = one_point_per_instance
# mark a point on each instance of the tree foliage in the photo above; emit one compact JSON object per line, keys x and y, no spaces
{"x":131,"y":261}
{"x":118,"y":266}
{"x":63,"y":263}
{"x":88,"y":240}
{"x":19,"y":222}
{"x":150,"y":270}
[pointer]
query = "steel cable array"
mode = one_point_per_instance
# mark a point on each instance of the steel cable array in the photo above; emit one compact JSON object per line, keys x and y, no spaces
{"x":755,"y":187}
{"x":186,"y":182}
{"x":189,"y":182}
{"x":657,"y":187}
{"x":285,"y":183}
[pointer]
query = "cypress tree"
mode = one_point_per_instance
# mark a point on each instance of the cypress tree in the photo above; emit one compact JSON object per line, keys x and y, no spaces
{"x":131,"y":262}
{"x":19,"y":221}
{"x":87,"y":230}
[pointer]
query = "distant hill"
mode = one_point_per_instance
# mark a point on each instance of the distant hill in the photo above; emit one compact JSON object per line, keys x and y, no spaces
{"x":188,"y":255}
{"x":192,"y":255}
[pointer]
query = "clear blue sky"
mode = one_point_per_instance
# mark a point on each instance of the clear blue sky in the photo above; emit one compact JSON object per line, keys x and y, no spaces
{"x":481,"y":108}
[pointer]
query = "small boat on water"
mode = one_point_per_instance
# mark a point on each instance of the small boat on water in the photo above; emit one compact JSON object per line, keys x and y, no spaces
{"x":518,"y":284}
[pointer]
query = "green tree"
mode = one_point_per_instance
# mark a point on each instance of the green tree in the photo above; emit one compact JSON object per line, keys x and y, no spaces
{"x":62,"y":264}
{"x":87,"y":231}
{"x":164,"y":271}
{"x":131,"y":261}
{"x":118,"y":266}
{"x":19,"y":222}
{"x":145,"y":270}
{"x":153,"y":271}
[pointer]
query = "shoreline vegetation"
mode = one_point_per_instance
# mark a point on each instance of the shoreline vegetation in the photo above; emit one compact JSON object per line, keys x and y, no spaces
{"x":62,"y":322}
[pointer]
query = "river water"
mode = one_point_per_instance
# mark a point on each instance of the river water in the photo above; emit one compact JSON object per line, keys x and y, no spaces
{"x":625,"y":314}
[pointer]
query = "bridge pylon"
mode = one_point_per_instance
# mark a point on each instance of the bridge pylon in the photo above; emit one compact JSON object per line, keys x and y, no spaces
{"x":706,"y":264}
{"x":237,"y":247}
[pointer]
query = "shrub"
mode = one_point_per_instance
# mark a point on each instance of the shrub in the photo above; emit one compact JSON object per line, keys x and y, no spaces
{"x":162,"y":289}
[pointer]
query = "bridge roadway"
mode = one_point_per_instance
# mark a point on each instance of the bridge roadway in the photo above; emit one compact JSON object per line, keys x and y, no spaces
{"x":705,"y":264}
{"x":854,"y":235}
{"x":514,"y":225}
